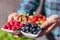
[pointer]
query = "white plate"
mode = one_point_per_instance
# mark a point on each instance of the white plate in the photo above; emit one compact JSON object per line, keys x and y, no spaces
{"x":31,"y":35}
{"x":11,"y":31}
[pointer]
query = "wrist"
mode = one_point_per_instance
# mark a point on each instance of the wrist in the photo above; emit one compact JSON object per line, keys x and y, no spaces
{"x":58,"y":22}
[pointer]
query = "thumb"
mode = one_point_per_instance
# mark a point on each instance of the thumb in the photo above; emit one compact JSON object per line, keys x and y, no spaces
{"x":11,"y":16}
{"x":46,"y":24}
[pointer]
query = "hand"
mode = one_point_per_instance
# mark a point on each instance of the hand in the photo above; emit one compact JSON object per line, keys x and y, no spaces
{"x":16,"y":35}
{"x":12,"y":16}
{"x":52,"y":22}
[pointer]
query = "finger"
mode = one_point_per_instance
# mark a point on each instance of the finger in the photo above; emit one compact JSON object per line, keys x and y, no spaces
{"x":58,"y":21}
{"x":46,"y":24}
{"x":47,"y":30}
{"x":17,"y":35}
{"x":11,"y":16}
{"x":14,"y":14}
{"x":17,"y":17}
{"x":49,"y":22}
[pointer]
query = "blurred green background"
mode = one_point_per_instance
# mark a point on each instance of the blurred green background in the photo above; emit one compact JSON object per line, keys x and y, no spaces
{"x":7,"y":36}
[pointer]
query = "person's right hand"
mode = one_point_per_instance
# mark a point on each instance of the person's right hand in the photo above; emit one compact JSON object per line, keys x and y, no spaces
{"x":52,"y":22}
{"x":12,"y":16}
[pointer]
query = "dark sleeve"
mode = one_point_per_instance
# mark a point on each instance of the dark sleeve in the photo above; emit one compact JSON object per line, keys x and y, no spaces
{"x":28,"y":6}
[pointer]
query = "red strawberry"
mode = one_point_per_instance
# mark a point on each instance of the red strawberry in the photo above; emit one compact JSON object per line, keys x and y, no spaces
{"x":44,"y":18}
{"x":32,"y":22}
{"x":39,"y":19}
{"x":40,"y":15}
{"x":32,"y":19}
{"x":35,"y":17}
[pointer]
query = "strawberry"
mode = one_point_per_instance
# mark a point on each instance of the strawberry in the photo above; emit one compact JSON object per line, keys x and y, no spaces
{"x":44,"y":19}
{"x":40,"y":15}
{"x":39,"y":19}
{"x":35,"y":17}
{"x":32,"y":22}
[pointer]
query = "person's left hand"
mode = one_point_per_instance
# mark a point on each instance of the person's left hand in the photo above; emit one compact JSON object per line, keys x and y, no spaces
{"x":14,"y":16}
{"x":52,"y":22}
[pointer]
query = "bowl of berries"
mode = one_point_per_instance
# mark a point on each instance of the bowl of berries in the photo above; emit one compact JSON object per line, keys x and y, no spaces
{"x":31,"y":30}
{"x":33,"y":27}
{"x":12,"y":27}
{"x":28,"y":25}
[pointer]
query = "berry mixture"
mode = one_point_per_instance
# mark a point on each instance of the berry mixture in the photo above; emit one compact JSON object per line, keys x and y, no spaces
{"x":28,"y":24}
{"x":39,"y":19}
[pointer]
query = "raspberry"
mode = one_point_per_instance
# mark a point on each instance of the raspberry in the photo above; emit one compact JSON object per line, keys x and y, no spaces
{"x":21,"y":25}
{"x":13,"y":27}
{"x":12,"y":23}
{"x":4,"y":26}
{"x":16,"y":23}
{"x":9,"y":28}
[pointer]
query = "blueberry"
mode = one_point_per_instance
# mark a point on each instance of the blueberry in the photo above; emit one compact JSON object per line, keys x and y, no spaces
{"x":23,"y":30}
{"x":32,"y":25}
{"x":27,"y":24}
{"x":33,"y":29}
{"x":26,"y":28}
{"x":31,"y":32}
{"x":38,"y":28}
{"x":30,"y":29}
{"x":34,"y":32}
{"x":27,"y":31}
{"x":35,"y":25}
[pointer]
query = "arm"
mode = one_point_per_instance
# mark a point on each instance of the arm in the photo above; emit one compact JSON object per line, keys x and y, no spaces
{"x":39,"y":9}
{"x":28,"y":6}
